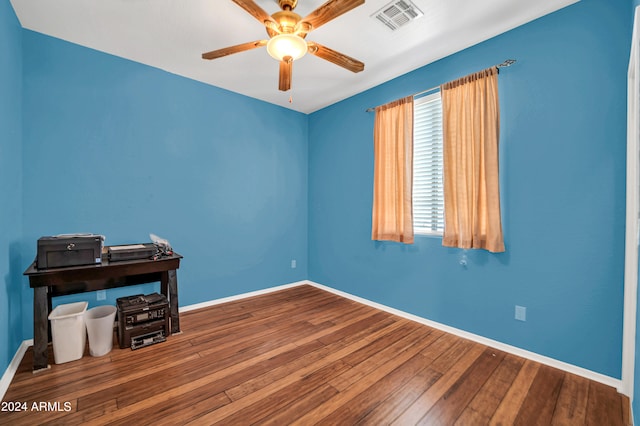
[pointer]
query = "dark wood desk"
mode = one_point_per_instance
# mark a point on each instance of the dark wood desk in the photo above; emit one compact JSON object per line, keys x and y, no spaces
{"x":48,"y":283}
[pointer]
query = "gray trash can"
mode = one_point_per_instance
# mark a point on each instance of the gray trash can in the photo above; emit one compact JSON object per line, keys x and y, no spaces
{"x":100,"y":322}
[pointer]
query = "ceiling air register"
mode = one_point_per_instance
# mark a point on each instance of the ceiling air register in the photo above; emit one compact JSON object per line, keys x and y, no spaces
{"x":397,"y":13}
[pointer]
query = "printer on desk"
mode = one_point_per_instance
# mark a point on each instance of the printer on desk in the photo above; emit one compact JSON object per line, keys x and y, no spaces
{"x":87,"y":249}
{"x":131,"y":252}
{"x":69,"y":250}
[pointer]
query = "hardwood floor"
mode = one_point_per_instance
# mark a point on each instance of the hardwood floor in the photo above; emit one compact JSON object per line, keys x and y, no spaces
{"x":305,"y":356}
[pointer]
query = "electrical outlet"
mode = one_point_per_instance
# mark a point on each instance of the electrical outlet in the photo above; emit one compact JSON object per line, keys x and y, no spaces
{"x":293,"y":264}
{"x":521,"y":313}
{"x":101,"y":295}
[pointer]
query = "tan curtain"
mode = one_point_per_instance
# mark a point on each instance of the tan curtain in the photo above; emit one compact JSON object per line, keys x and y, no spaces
{"x":392,"y":216}
{"x":471,"y":126}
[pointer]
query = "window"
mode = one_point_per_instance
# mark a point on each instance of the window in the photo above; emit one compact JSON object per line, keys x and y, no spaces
{"x":428,"y":192}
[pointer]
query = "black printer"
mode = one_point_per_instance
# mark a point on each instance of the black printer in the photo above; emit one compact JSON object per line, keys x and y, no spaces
{"x":69,"y":250}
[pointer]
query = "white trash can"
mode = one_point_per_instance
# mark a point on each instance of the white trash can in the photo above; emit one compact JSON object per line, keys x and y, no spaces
{"x":100,"y":322}
{"x":68,"y":331}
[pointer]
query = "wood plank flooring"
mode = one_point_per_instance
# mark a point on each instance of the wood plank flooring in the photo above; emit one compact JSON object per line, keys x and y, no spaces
{"x":304,"y":356}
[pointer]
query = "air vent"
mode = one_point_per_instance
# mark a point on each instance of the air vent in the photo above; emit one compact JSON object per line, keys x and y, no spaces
{"x":397,"y":14}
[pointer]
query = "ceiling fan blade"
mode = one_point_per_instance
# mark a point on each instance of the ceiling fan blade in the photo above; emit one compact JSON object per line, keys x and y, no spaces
{"x":337,"y":58}
{"x":233,"y":49}
{"x":254,"y":10}
{"x":330,"y":10}
{"x":286,"y":68}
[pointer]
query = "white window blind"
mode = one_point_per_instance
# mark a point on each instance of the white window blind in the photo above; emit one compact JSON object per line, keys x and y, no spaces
{"x":428,"y":192}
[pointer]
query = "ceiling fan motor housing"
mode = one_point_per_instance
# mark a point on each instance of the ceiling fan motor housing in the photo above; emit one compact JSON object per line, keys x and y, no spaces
{"x":287,"y":22}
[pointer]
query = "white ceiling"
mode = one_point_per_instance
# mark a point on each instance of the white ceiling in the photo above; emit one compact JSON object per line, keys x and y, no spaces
{"x":172,"y":35}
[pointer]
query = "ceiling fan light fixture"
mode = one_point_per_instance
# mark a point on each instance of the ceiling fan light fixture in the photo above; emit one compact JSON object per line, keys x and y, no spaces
{"x":287,"y":45}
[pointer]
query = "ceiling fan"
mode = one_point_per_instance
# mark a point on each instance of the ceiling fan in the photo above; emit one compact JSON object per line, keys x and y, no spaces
{"x":287,"y":32}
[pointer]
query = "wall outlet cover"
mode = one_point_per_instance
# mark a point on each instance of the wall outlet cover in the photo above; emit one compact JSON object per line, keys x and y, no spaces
{"x":521,"y":313}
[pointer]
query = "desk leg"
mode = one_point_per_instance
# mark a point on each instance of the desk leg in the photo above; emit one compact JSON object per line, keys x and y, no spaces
{"x":40,"y":328}
{"x":173,"y":301}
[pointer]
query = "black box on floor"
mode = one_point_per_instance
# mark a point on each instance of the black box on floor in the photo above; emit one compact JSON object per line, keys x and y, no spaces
{"x":142,"y":320}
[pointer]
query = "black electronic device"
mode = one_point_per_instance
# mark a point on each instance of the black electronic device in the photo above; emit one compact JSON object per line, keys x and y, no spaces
{"x":142,"y":320}
{"x":69,"y":250}
{"x":131,"y":252}
{"x":151,"y":338}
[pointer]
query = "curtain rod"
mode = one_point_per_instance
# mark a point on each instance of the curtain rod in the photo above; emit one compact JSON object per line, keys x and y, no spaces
{"x":506,"y":63}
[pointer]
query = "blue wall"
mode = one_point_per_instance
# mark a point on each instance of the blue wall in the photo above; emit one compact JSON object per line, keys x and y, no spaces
{"x":10,"y":183}
{"x":563,"y":139}
{"x":122,"y":149}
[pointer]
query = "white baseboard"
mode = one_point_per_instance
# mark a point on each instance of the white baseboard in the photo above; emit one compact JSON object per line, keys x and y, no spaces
{"x":7,"y":377}
{"x":570,"y":368}
{"x":241,"y":296}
